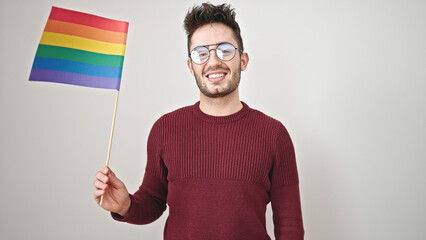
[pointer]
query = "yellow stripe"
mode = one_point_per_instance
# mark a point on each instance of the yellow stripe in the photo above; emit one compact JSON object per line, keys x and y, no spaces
{"x":62,"y":40}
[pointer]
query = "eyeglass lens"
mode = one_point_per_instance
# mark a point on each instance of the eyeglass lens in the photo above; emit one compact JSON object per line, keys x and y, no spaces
{"x":224,"y":51}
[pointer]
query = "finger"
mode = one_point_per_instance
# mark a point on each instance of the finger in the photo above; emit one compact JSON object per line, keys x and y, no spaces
{"x":97,"y":195}
{"x":114,"y":181}
{"x":102,"y":177}
{"x":100,"y":185}
{"x":105,"y":170}
{"x":112,"y":175}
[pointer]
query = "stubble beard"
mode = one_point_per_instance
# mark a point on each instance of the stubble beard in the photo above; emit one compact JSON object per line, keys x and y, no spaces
{"x":219,"y":92}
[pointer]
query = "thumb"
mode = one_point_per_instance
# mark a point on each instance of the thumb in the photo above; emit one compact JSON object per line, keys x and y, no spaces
{"x":114,"y":180}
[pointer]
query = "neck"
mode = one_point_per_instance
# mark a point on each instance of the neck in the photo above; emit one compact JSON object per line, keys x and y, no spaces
{"x":222,"y":106}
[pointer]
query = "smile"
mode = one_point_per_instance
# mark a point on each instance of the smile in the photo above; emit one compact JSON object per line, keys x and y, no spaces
{"x":216,"y":76}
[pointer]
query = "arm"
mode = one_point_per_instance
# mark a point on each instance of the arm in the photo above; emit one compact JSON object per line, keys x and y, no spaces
{"x":149,"y":202}
{"x":285,"y":196}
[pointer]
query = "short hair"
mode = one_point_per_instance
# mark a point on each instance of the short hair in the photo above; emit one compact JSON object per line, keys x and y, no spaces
{"x":208,"y":13}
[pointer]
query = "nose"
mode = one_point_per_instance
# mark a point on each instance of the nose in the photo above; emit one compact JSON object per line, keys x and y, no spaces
{"x":213,"y":58}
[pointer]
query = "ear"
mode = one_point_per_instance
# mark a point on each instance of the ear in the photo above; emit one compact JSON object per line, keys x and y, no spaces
{"x":244,"y":61}
{"x":189,"y":63}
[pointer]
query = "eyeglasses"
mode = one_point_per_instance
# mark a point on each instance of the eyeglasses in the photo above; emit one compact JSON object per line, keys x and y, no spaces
{"x":225,"y":52}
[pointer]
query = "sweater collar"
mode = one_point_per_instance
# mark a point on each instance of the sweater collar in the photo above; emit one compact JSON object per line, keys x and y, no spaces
{"x":222,"y":119}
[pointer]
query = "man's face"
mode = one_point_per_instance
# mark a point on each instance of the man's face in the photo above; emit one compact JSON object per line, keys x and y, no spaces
{"x":217,"y":78}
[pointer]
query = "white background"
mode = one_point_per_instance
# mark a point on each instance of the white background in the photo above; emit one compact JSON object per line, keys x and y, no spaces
{"x":347,"y":79}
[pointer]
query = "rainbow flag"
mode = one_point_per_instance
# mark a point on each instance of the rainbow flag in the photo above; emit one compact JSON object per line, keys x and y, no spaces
{"x":81,"y":49}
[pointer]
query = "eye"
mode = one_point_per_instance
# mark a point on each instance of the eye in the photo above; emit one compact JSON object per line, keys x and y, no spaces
{"x":226,"y":48}
{"x":203,"y":54}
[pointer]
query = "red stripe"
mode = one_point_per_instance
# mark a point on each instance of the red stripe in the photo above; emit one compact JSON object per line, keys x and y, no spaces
{"x":90,"y":20}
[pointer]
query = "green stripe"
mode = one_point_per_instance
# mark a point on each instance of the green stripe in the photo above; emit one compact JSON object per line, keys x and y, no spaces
{"x":79,"y":55}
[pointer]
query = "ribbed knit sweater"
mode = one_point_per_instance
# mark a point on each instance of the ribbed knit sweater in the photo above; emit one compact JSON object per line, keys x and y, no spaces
{"x":217,"y":174}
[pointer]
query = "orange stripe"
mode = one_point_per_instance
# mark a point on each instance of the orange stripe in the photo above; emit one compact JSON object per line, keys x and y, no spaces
{"x":85,"y":31}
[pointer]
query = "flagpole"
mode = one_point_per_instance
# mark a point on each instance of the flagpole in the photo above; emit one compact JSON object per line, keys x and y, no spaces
{"x":110,"y":137}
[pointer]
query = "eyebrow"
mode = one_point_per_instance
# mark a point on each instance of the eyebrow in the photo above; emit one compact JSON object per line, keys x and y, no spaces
{"x":211,"y":45}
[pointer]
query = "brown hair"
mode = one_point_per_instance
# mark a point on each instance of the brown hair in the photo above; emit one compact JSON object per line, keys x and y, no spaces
{"x":208,"y":13}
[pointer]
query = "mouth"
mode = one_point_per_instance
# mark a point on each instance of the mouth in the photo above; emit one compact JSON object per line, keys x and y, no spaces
{"x":216,"y":76}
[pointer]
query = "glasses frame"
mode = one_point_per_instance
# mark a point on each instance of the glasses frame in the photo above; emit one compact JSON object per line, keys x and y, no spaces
{"x":216,"y":49}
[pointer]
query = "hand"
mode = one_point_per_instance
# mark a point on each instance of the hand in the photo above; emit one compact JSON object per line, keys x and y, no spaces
{"x":115,"y":195}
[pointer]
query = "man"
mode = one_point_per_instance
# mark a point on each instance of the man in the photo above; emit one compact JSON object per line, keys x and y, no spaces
{"x":217,"y":163}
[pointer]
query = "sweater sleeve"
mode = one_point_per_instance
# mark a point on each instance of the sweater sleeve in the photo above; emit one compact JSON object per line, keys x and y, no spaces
{"x":285,"y":196}
{"x":149,"y":202}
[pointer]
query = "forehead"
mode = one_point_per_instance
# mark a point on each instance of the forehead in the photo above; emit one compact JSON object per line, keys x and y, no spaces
{"x":211,"y":34}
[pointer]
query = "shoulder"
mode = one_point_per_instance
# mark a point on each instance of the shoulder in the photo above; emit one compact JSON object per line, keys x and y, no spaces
{"x":263,"y":119}
{"x":272,"y":127}
{"x":169,"y":120}
{"x":179,"y":112}
{"x":174,"y":115}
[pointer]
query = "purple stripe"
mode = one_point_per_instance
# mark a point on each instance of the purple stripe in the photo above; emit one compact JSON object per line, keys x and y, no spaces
{"x":74,"y":79}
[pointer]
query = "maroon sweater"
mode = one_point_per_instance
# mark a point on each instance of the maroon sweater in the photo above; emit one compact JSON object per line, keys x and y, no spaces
{"x":217,"y":174}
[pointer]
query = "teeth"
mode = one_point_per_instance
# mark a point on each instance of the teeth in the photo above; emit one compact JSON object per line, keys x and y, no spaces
{"x":216,"y":75}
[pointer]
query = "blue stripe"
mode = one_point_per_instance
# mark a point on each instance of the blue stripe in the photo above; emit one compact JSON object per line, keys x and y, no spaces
{"x":62,"y":65}
{"x":74,"y":79}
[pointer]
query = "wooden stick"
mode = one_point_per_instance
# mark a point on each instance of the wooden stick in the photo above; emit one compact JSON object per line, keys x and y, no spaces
{"x":110,"y":137}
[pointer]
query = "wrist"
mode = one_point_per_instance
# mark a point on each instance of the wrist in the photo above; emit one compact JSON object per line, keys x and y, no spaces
{"x":126,"y":207}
